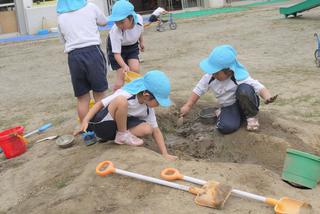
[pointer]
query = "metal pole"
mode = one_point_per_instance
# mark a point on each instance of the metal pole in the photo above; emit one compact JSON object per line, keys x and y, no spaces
{"x":20,"y":16}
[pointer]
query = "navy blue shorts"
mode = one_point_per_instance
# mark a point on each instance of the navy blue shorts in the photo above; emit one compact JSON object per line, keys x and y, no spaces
{"x":107,"y":130}
{"x":88,"y":70}
{"x":127,"y":52}
{"x":153,"y":18}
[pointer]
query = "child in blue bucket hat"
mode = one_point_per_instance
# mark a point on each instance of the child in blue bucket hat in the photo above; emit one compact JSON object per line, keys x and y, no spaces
{"x":78,"y":28}
{"x":128,"y":113}
{"x":124,"y":40}
{"x":237,"y":93}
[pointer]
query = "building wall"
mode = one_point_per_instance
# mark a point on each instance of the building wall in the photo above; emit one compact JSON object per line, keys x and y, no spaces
{"x":45,"y":17}
{"x":38,"y":18}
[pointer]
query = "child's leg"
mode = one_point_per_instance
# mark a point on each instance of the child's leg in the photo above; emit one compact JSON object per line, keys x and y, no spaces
{"x":141,"y":130}
{"x":248,"y":100}
{"x":134,"y":65}
{"x":120,"y":79}
{"x":118,"y":109}
{"x":83,"y":105}
{"x":229,"y":119}
{"x":249,"y":105}
{"x":97,"y":96}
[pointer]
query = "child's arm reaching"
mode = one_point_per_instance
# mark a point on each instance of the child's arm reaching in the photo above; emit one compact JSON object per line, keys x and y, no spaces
{"x":89,"y":116}
{"x":188,"y":105}
{"x":265,"y":94}
{"x":121,"y":62}
{"x":158,"y":137}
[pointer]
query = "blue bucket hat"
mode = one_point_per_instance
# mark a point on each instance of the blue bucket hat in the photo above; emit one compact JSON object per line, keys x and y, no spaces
{"x":65,"y":6}
{"x":154,"y":81}
{"x":222,"y":57}
{"x":121,"y":10}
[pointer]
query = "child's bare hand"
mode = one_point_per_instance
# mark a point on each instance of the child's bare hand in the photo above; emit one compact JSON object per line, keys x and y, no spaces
{"x":125,"y":68}
{"x":170,"y":157}
{"x":184,"y":110}
{"x":141,"y":47}
{"x":83,"y":128}
{"x":271,"y":99}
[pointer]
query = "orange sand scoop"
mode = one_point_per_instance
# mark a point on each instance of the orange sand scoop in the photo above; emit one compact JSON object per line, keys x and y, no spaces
{"x":204,"y":196}
{"x":289,"y":206}
{"x":130,"y":75}
{"x":283,"y":206}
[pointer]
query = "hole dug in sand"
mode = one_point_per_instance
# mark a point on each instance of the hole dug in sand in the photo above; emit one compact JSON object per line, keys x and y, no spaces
{"x":195,"y":140}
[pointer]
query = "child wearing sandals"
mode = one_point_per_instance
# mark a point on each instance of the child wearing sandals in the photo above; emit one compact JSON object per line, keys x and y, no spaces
{"x":128,"y":113}
{"x":237,"y":93}
{"x":124,"y":40}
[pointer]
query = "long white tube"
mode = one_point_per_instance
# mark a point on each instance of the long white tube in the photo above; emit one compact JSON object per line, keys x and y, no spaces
{"x":152,"y":180}
{"x":235,"y":191}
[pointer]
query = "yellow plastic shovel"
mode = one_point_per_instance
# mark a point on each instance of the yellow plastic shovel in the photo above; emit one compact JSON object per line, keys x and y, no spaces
{"x":204,"y":195}
{"x":283,"y":206}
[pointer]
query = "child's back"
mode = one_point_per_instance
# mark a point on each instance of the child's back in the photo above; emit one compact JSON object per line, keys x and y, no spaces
{"x":80,"y":28}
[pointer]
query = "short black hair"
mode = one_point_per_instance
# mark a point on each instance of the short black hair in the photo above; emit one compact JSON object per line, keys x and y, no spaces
{"x":152,"y":97}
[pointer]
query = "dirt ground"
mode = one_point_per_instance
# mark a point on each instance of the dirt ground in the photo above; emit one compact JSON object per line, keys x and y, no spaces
{"x":36,"y":89}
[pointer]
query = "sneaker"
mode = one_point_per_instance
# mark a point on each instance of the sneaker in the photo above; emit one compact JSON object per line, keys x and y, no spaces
{"x":252,"y":124}
{"x":217,"y":112}
{"x":127,"y":138}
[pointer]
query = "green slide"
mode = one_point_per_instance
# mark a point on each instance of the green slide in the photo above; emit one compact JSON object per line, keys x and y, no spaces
{"x":299,"y":8}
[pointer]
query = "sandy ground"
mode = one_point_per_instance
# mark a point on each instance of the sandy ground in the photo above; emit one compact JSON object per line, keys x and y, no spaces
{"x":35,"y":89}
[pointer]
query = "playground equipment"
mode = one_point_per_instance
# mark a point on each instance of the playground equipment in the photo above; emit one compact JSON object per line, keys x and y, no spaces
{"x":166,"y":19}
{"x":317,"y":51}
{"x":299,"y":8}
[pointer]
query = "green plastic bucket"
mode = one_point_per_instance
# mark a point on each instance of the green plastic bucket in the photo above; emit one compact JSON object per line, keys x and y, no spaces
{"x":301,"y":168}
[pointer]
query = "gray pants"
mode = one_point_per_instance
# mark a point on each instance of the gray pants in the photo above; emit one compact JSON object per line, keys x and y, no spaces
{"x":247,"y":105}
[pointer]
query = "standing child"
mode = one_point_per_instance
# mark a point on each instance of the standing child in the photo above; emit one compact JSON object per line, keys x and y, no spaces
{"x":78,"y":27}
{"x":128,"y":114}
{"x":236,"y":92}
{"x":124,"y":40}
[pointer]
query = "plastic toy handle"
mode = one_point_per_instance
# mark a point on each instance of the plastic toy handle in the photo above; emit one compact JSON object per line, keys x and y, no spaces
{"x":45,"y":127}
{"x":109,"y":168}
{"x":271,"y":201}
{"x":171,"y":174}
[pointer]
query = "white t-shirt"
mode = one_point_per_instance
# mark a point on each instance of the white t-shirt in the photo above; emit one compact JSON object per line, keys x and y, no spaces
{"x":120,"y":37}
{"x":158,"y":11}
{"x":135,"y":109}
{"x":79,"y":28}
{"x":225,"y":91}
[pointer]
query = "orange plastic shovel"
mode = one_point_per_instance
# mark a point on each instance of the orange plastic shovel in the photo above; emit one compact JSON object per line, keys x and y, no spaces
{"x":283,"y":206}
{"x":204,"y":195}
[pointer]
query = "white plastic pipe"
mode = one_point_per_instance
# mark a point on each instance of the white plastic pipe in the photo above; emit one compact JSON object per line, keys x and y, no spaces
{"x":152,"y":180}
{"x":235,"y":191}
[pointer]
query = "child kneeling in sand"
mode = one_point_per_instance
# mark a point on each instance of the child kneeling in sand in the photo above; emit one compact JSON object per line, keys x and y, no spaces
{"x":236,"y":92}
{"x":128,"y":113}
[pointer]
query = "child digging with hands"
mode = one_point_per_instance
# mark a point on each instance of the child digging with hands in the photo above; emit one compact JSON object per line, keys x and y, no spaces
{"x":128,"y":113}
{"x":237,"y":93}
{"x":124,"y":40}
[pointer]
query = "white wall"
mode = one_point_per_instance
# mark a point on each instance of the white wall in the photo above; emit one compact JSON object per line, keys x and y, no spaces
{"x":38,"y":16}
{"x":216,"y":3}
{"x":34,"y":16}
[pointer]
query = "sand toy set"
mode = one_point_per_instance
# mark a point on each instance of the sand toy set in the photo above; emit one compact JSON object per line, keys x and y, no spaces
{"x":212,"y":193}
